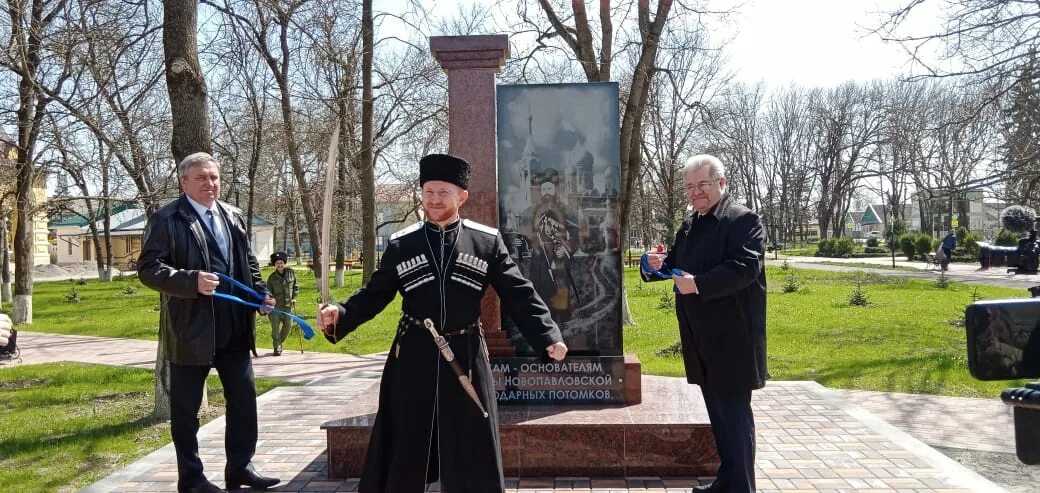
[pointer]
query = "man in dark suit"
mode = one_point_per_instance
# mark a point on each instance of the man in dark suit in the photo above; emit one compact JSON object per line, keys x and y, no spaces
{"x":721,"y":307}
{"x":186,"y":243}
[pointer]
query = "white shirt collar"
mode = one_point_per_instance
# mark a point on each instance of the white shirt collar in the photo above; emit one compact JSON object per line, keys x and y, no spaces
{"x":201,"y":209}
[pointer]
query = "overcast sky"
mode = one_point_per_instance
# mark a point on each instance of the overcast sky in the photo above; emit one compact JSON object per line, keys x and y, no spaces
{"x":816,"y":42}
{"x":809,"y":42}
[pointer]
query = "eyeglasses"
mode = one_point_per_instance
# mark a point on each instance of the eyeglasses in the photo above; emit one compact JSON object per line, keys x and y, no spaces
{"x":703,"y":186}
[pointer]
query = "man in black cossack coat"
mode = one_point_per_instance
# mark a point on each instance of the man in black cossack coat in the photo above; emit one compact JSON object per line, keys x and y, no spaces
{"x":427,"y":427}
{"x":721,"y":309}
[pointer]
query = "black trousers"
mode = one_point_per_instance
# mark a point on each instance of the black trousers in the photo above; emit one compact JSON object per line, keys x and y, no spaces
{"x":235,"y":369}
{"x":733,"y":425}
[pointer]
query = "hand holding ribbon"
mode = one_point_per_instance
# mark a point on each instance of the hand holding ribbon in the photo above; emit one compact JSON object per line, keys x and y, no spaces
{"x":662,"y":272}
{"x":308,"y":332}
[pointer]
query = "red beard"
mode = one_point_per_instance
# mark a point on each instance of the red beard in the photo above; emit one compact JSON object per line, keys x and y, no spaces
{"x":440,"y":215}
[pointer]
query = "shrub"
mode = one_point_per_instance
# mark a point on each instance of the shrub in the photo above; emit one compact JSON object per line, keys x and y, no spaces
{"x":1006,"y":238}
{"x":129,"y":291}
{"x":942,"y":282}
{"x":673,"y":350}
{"x":785,"y":266}
{"x":872,"y":242}
{"x":666,"y":302}
{"x":961,"y":234}
{"x":825,"y":248}
{"x":896,"y":232}
{"x":923,"y":245}
{"x":875,"y":249}
{"x":906,"y":244}
{"x":970,"y":245}
{"x":790,"y":284}
{"x":843,"y":247}
{"x":73,"y":296}
{"x":858,"y":296}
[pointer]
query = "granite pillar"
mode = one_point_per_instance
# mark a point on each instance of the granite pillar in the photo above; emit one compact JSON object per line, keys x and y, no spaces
{"x":471,"y":63}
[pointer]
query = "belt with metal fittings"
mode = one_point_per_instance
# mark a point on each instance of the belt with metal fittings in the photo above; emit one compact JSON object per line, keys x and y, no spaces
{"x":470,"y":328}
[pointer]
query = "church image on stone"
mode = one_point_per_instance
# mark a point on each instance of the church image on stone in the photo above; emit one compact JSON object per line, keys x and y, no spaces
{"x":558,"y":186}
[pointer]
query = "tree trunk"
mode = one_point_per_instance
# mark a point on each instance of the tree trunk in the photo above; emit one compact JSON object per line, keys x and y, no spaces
{"x":186,"y":86}
{"x":368,"y":180}
{"x":185,"y":81}
{"x":5,"y":261}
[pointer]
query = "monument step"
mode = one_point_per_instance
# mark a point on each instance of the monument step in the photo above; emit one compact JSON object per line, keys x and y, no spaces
{"x":668,"y":434}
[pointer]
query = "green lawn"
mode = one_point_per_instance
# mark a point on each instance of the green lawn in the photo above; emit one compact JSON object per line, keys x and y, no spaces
{"x":863,"y":265}
{"x":126,"y":308}
{"x":908,"y":339}
{"x":64,"y":426}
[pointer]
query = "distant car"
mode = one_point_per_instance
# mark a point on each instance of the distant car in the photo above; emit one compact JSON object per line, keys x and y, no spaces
{"x":874,"y":234}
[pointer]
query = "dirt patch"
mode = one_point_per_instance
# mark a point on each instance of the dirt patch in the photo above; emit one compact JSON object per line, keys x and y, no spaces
{"x":49,"y":270}
{"x":23,"y":384}
{"x":1003,"y":469}
{"x":81,"y":270}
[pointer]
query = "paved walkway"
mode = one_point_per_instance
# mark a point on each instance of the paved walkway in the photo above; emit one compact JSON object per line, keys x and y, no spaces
{"x":967,"y":273}
{"x":810,"y":438}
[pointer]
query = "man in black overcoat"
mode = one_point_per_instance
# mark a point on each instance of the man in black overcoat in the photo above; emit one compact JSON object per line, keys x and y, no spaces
{"x":721,"y":307}
{"x":186,"y":243}
{"x":427,"y":427}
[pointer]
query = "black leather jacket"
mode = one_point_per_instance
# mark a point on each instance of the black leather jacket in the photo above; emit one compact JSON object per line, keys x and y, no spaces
{"x":173,"y":253}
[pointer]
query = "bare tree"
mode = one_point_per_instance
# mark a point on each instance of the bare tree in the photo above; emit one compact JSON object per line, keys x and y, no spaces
{"x":738,"y":140}
{"x":1021,"y":131}
{"x":984,"y":41}
{"x":33,"y":28}
{"x":849,"y":126}
{"x":787,"y":141}
{"x":675,"y":120}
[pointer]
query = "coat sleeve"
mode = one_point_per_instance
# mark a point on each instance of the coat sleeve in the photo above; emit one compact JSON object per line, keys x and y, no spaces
{"x":372,"y":298}
{"x":742,"y":260}
{"x":154,"y":268}
{"x":520,"y":299}
{"x":669,"y":260}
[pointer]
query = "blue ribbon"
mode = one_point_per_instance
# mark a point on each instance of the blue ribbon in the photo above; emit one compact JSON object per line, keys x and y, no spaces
{"x":661,"y":274}
{"x":308,"y":332}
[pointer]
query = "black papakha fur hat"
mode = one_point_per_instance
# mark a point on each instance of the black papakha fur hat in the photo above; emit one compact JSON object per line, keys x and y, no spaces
{"x":444,"y":167}
{"x":276,"y":256}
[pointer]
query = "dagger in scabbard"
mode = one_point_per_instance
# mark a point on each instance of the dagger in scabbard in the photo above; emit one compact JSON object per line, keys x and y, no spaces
{"x":449,"y":356}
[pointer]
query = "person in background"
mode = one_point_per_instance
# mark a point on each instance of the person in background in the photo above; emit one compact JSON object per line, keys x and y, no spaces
{"x":282,"y":283}
{"x":949,"y":243}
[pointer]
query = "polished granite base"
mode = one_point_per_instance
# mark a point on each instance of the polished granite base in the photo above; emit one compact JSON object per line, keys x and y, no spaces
{"x":667,"y":434}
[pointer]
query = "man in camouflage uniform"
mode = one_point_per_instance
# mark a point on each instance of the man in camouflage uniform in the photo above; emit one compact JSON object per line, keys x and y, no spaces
{"x":283,"y":287}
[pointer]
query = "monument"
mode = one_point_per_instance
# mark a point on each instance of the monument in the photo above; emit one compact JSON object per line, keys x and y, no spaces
{"x":558,"y":169}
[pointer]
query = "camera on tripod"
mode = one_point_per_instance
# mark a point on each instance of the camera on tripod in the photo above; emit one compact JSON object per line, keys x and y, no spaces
{"x":1021,"y":219}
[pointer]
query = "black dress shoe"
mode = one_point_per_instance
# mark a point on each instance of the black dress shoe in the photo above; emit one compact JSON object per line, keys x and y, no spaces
{"x":278,"y":351}
{"x":203,"y":487}
{"x":708,"y":488}
{"x":249,"y":477}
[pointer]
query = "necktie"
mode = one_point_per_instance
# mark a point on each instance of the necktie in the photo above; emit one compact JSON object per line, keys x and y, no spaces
{"x":218,"y":234}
